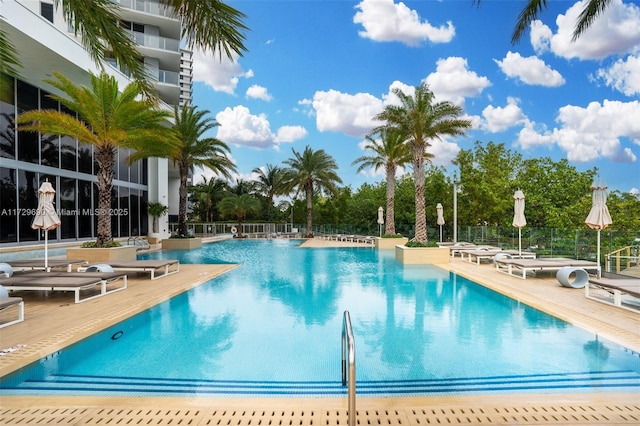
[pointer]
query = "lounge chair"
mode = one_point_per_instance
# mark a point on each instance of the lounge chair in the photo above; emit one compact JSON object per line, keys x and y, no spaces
{"x":458,"y":248}
{"x":612,"y":290}
{"x":65,"y":281}
{"x":478,"y":255}
{"x":520,"y":267}
{"x":6,"y":303}
{"x":38,"y":264}
{"x":164,"y":267}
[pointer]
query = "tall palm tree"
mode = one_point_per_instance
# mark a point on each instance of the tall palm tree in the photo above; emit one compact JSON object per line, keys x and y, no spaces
{"x":388,"y":152}
{"x":194,"y":150}
{"x":108,"y":120}
{"x":207,"y":194}
{"x":239,"y":206}
{"x":209,"y":25}
{"x":311,"y":171}
{"x":592,"y":10}
{"x":269,"y":183}
{"x":421,"y":120}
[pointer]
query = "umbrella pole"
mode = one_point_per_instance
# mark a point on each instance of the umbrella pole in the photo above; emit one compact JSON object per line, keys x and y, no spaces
{"x":520,"y":242}
{"x":46,"y":251}
{"x":598,"y":270}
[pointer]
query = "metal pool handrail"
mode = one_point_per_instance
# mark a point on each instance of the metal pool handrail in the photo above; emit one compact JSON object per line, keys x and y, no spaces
{"x":349,"y":353}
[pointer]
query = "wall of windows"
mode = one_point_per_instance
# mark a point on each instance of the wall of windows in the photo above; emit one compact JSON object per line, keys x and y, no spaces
{"x":27,"y":159}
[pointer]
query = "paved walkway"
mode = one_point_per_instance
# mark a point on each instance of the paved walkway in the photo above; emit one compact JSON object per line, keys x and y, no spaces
{"x":54,"y":321}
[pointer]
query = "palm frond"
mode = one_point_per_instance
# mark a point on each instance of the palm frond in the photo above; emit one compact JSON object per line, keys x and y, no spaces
{"x":529,"y":14}
{"x":211,"y":25}
{"x":591,"y":11}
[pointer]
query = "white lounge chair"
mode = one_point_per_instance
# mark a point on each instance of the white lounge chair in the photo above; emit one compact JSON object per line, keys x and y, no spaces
{"x":612,"y":291}
{"x":153,"y":267}
{"x":520,"y":267}
{"x":75,"y":282}
{"x":38,"y":264}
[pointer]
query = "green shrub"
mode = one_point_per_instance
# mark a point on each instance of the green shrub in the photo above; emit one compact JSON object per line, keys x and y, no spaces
{"x":92,"y":244}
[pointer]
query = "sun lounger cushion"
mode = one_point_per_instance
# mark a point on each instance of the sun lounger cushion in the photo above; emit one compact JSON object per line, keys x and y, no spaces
{"x":157,"y":268}
{"x":64,"y":281}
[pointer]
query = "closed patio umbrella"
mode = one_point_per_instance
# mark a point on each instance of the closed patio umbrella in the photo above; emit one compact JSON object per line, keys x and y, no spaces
{"x":599,"y":217}
{"x":440,"y":220}
{"x":380,"y":219}
{"x":519,"y":220}
{"x":46,"y":216}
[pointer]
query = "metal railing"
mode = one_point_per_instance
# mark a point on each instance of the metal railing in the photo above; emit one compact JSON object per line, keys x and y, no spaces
{"x":140,"y":242}
{"x":349,"y":355}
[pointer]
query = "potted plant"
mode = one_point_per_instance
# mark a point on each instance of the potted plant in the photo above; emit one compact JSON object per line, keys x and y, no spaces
{"x":156,"y":210}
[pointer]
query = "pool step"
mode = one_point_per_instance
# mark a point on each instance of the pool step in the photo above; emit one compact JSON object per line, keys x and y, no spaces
{"x":73,"y":384}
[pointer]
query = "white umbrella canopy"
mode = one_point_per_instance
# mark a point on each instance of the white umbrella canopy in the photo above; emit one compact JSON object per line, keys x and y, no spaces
{"x":380,"y":219}
{"x":519,"y":221}
{"x":599,"y":217}
{"x":46,"y":216}
{"x":440,"y":220}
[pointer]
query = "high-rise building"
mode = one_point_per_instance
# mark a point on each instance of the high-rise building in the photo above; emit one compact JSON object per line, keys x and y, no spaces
{"x":45,"y":43}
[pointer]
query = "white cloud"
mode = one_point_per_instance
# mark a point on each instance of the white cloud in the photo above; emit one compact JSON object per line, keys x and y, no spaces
{"x":384,"y":20}
{"x":444,"y":151}
{"x":529,"y":70}
{"x":498,"y":119}
{"x":342,"y":112}
{"x":586,"y":134}
{"x":239,"y":127}
{"x":290,"y":133}
{"x":453,"y":81}
{"x":531,"y":137}
{"x":615,"y":31}
{"x":623,"y":75}
{"x":258,"y":92}
{"x":221,"y":74}
{"x":540,"y":36}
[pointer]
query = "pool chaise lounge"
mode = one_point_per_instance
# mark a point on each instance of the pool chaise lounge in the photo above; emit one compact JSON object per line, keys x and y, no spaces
{"x":75,"y":282}
{"x":459,"y":248}
{"x":9,"y":302}
{"x":520,"y":267}
{"x":157,"y":268}
{"x":38,"y":264}
{"x":612,"y":290}
{"x":477,"y":256}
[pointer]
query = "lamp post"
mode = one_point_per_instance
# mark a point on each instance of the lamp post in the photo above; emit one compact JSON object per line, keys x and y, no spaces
{"x":455,"y":207}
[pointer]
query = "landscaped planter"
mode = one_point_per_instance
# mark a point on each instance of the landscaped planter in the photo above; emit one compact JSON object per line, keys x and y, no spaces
{"x":181,"y":243}
{"x":104,"y":255}
{"x":390,"y":243}
{"x":422,"y":255}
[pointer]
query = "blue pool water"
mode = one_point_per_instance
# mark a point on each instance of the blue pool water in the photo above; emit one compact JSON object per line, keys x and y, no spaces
{"x":273,"y":325}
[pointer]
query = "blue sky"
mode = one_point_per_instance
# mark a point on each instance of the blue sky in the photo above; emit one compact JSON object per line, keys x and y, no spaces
{"x":316,"y":72}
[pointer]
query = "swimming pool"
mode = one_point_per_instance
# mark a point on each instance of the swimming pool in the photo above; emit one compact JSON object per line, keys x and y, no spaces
{"x":272,"y":328}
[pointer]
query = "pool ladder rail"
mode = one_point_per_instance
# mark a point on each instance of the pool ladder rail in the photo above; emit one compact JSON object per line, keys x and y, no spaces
{"x":349,"y":356}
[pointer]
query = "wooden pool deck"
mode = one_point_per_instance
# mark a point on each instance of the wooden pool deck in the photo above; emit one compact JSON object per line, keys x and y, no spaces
{"x":53,"y":321}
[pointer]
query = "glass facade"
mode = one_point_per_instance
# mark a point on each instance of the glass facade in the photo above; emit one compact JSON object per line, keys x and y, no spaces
{"x":27,"y":159}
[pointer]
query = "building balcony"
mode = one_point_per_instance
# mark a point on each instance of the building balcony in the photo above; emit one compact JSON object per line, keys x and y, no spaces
{"x":151,"y":7}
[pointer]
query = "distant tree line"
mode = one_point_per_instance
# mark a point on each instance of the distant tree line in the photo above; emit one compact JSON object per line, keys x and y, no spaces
{"x":557,"y":195}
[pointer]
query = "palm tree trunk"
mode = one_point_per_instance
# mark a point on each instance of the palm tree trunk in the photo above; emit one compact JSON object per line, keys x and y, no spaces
{"x":418,"y":179}
{"x":390,"y":226}
{"x":309,"y":191}
{"x":106,"y":159}
{"x":182,"y":208}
